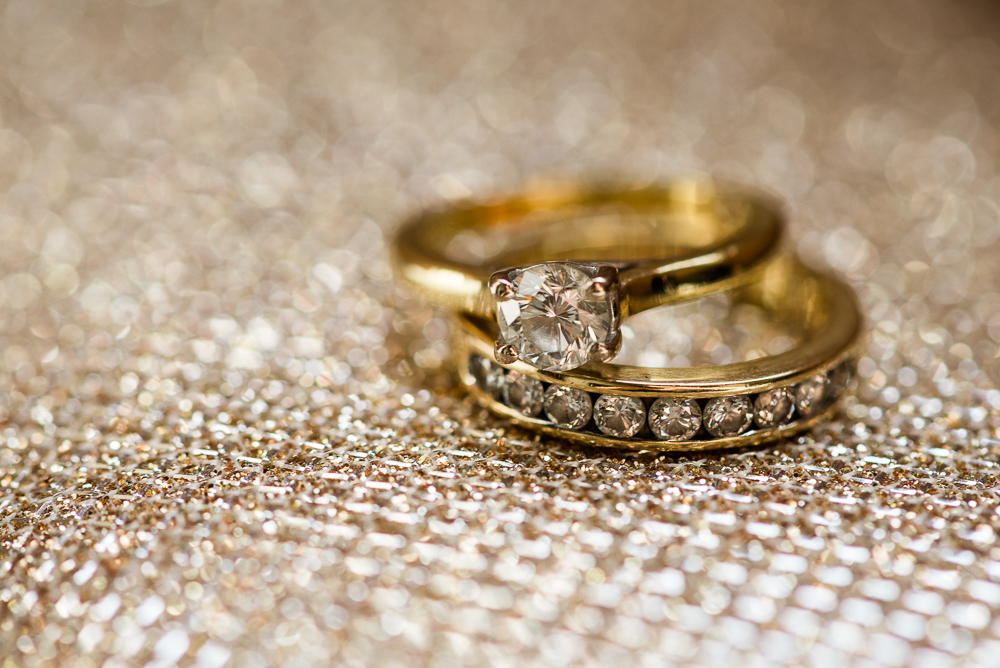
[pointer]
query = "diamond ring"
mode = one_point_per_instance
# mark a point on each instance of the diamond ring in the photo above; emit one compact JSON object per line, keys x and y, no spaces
{"x":560,"y":268}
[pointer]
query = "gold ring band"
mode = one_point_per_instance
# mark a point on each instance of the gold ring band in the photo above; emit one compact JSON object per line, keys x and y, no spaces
{"x":811,"y":376}
{"x":669,"y":243}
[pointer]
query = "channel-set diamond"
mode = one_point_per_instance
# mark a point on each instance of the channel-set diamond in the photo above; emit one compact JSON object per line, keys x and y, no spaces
{"x":674,"y":419}
{"x":524,"y":393}
{"x":811,"y":394}
{"x":728,"y":416}
{"x":619,"y":416}
{"x":489,"y":376}
{"x":553,"y":315}
{"x":568,"y":407}
{"x":773,"y":408}
{"x":840,"y":378}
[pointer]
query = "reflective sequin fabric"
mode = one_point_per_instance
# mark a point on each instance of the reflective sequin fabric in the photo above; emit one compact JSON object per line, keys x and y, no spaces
{"x":229,"y":440}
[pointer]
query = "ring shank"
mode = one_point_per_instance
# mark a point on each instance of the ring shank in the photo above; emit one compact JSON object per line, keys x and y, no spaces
{"x":670,"y":243}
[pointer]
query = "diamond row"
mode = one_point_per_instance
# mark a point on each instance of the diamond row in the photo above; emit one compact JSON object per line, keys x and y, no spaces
{"x":667,"y":418}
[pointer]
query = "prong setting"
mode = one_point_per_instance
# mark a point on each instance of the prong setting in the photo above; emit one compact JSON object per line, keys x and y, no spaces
{"x":500,"y":285}
{"x":605,"y":352}
{"x":605,"y":279}
{"x":505,"y":353}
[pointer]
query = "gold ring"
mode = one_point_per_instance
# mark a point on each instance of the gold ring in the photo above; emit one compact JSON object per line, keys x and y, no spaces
{"x":693,"y":408}
{"x":542,"y":282}
{"x":562,"y":267}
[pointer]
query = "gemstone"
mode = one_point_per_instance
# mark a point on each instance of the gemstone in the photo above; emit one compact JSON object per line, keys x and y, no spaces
{"x":555,"y":313}
{"x":674,"y":419}
{"x":489,"y":376}
{"x":773,"y":408}
{"x":728,"y":416}
{"x":619,"y":416}
{"x":523,"y":393}
{"x":811,"y":394}
{"x":839,"y":378}
{"x":568,"y":407}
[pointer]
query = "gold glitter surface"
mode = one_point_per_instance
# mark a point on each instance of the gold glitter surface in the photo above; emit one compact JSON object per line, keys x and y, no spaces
{"x":230,"y":440}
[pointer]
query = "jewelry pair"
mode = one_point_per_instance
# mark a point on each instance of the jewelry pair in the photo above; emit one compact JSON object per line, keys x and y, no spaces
{"x":541,"y":284}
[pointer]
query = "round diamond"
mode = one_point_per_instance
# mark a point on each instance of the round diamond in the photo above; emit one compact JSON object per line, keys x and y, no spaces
{"x":489,"y":376}
{"x":774,"y":407}
{"x":674,"y":419}
{"x":619,"y":416}
{"x":523,"y":393}
{"x":810,"y":395}
{"x":840,"y":378}
{"x":728,"y":416}
{"x":568,"y":407}
{"x":554,"y":314}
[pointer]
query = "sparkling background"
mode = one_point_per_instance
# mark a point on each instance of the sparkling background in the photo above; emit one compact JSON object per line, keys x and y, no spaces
{"x":229,"y":440}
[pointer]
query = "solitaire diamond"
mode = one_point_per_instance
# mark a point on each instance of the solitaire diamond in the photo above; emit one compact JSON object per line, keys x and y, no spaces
{"x":728,"y":416}
{"x":773,"y":407}
{"x":568,"y":407}
{"x":619,"y":416}
{"x":555,"y":315}
{"x":674,"y":419}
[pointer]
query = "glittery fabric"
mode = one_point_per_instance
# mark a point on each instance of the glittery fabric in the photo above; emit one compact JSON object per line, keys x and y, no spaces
{"x":230,"y":440}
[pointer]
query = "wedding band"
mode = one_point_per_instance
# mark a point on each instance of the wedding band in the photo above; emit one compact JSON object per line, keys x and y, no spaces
{"x":562,"y":267}
{"x":691,"y":408}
